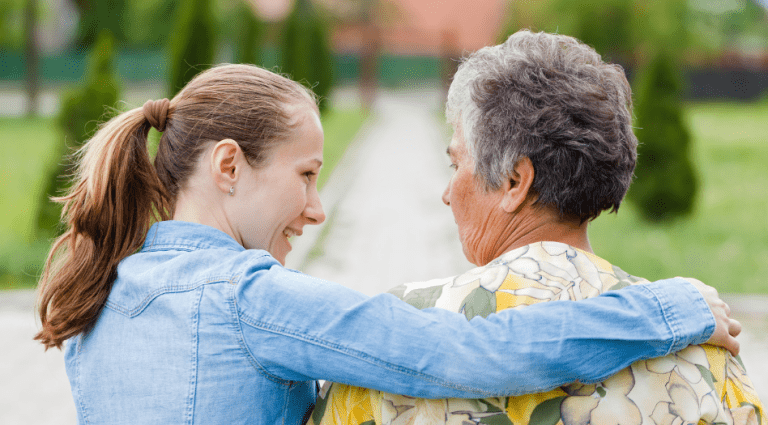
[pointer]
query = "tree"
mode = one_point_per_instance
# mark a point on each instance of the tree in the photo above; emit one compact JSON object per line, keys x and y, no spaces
{"x":250,"y":33}
{"x":97,"y":15}
{"x":82,"y":109}
{"x":193,"y":42}
{"x":306,"y":49}
{"x":666,"y":184}
{"x":31,"y":56}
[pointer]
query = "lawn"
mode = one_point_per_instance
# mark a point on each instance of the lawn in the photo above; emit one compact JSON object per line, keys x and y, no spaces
{"x":25,"y":152}
{"x":725,"y":241}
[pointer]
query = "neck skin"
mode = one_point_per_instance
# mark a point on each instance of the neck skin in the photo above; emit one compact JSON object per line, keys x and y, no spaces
{"x":199,"y":200}
{"x":539,"y":224}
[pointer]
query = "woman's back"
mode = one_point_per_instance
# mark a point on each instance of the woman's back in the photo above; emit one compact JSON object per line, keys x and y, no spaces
{"x":168,"y":347}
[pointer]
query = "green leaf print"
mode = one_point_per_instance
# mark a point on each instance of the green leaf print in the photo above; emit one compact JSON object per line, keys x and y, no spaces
{"x":500,"y":419}
{"x":625,"y":279}
{"x":480,"y":302}
{"x":371,"y":422}
{"x":320,"y":404}
{"x":738,"y":359}
{"x":489,"y":407}
{"x":601,"y":391}
{"x":547,"y":412}
{"x":707,"y":375}
{"x":424,"y":297}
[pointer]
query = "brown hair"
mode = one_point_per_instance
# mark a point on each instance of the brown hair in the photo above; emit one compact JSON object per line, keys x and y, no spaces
{"x":117,"y":194}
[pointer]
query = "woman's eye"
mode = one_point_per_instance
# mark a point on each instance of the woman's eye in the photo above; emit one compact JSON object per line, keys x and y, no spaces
{"x":454,"y":167}
{"x":309,"y":175}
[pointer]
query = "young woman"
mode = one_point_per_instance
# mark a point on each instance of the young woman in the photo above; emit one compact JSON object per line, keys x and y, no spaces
{"x":193,"y":319}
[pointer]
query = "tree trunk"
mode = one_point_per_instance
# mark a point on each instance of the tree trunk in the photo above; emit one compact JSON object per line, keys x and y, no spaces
{"x":31,"y":56}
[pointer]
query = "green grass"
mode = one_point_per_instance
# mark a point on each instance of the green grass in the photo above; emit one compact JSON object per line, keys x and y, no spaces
{"x":340,"y":127}
{"x":725,"y":241}
{"x":25,"y":152}
{"x":26,"y":149}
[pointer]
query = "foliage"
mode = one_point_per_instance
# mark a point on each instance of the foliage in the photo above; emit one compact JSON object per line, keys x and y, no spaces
{"x":306,"y":49}
{"x":98,"y":15}
{"x":11,"y":23}
{"x":143,"y":26}
{"x":666,"y":184}
{"x":249,"y":35}
{"x":81,"y":110}
{"x":623,"y":31}
{"x":193,"y":42}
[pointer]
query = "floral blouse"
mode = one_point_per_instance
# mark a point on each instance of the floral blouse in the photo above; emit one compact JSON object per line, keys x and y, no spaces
{"x":700,"y":384}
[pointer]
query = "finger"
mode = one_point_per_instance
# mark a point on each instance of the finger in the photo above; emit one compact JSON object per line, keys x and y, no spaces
{"x":733,"y":346}
{"x":727,"y":309}
{"x":734,"y":327}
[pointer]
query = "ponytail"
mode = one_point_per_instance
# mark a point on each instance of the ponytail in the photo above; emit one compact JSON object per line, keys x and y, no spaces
{"x":113,"y":201}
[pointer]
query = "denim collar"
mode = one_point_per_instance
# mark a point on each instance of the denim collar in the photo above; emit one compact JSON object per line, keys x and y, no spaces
{"x":185,"y":235}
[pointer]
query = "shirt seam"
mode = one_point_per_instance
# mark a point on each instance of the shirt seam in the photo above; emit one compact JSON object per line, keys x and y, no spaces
{"x":669,"y":319}
{"x":132,"y":312}
{"x":245,"y":347}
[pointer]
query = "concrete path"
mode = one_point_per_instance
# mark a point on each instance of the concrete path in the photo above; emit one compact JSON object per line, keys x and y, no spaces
{"x":386,"y":225}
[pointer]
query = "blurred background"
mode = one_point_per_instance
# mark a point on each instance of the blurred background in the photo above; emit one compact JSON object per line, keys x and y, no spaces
{"x":698,"y":68}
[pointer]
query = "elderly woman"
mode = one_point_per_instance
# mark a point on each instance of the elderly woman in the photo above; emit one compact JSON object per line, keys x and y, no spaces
{"x":542,"y":145}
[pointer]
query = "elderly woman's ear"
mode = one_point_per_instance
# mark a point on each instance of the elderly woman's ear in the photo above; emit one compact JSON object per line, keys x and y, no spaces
{"x":517,"y":187}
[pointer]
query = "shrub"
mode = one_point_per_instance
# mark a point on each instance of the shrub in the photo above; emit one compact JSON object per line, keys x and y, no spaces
{"x":665,"y":185}
{"x":82,"y":109}
{"x":193,"y":42}
{"x":306,"y":49}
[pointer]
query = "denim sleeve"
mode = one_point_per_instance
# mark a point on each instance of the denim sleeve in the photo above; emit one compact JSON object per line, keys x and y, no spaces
{"x":299,"y":328}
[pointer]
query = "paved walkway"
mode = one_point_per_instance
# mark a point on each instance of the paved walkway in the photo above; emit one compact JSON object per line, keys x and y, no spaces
{"x":386,"y":225}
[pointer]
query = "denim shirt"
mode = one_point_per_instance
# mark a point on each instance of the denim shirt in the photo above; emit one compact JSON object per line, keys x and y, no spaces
{"x":198,"y":329}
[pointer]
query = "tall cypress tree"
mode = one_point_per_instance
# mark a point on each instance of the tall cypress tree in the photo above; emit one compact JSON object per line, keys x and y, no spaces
{"x":666,"y":183}
{"x":96,"y":15}
{"x":82,"y":109}
{"x":193,"y":42}
{"x":250,"y":32}
{"x":306,"y":49}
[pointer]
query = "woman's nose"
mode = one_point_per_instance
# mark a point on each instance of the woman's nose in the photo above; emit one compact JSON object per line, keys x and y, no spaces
{"x":314,"y":210}
{"x":446,"y":194}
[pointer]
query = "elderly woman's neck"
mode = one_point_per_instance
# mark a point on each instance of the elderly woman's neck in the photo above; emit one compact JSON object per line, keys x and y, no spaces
{"x":539,"y":225}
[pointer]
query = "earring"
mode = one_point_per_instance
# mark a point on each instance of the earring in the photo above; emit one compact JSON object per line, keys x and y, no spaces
{"x":231,"y":191}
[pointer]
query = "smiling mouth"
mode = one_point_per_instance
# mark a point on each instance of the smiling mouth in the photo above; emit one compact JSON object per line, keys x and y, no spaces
{"x":290,"y":233}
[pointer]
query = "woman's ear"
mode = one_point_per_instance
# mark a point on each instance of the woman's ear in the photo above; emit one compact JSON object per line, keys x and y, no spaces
{"x":518,"y":185}
{"x":226,"y":161}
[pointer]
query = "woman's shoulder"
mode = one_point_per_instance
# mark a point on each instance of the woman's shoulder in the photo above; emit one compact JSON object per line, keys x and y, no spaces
{"x":541,"y":271}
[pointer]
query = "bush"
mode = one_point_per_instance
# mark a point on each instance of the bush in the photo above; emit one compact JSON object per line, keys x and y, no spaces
{"x":306,"y":50}
{"x":666,"y":183}
{"x":82,"y":109}
{"x":193,"y":42}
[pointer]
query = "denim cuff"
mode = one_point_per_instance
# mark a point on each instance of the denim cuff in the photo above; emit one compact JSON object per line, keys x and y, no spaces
{"x":685,"y":311}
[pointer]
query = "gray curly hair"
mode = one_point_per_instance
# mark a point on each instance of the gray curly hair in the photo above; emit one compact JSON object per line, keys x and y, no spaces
{"x":552,"y":99}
